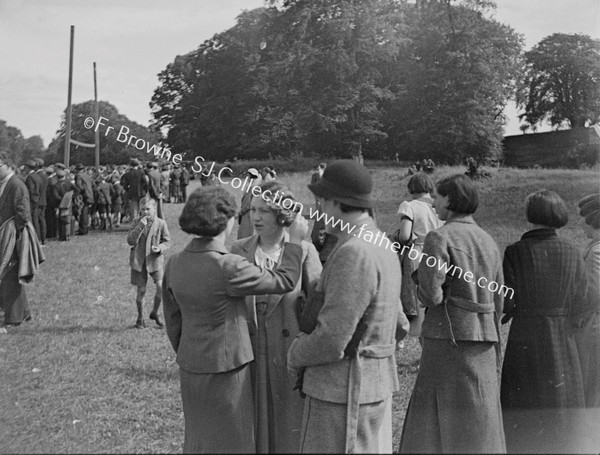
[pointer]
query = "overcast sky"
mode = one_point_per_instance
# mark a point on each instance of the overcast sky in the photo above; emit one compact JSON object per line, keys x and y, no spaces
{"x":133,"y":40}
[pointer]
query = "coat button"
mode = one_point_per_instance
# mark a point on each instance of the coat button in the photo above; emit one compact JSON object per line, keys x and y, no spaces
{"x":285,"y":333}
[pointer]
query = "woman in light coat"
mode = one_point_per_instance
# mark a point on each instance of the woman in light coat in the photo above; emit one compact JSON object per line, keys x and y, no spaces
{"x":275,"y":323}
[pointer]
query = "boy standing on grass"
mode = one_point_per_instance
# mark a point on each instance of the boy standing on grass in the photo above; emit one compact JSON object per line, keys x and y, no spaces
{"x":149,"y":239}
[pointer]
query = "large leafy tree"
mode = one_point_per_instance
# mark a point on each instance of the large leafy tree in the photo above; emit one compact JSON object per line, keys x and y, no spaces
{"x":458,"y":72}
{"x":19,"y":148}
{"x":339,"y":77}
{"x":112,"y":151}
{"x":562,"y":82}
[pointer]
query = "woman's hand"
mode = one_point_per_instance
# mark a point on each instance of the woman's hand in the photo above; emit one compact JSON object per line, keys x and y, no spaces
{"x":298,"y":230}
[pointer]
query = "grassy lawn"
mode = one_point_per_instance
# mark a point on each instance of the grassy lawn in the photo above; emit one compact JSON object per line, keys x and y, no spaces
{"x":79,"y":378}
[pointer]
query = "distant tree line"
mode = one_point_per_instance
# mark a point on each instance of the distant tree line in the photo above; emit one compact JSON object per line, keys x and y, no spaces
{"x":368,"y":78}
{"x":112,"y":150}
{"x":17,"y":147}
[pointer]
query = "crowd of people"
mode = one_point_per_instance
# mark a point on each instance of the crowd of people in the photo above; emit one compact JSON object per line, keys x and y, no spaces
{"x":287,"y":345}
{"x":276,"y":313}
{"x":66,"y":201}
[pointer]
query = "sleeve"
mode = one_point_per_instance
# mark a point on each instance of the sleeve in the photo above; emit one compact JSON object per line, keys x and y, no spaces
{"x":346,"y":297}
{"x":430,"y":290}
{"x":585,"y":301}
{"x":509,"y":280}
{"x":310,"y":301}
{"x":245,"y":278}
{"x":406,"y":210}
{"x":23,"y":209}
{"x":402,"y":324}
{"x":165,"y":238}
{"x":171,"y":311}
{"x":135,"y":231}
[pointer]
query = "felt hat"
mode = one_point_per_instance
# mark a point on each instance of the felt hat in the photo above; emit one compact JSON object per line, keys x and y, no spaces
{"x":60,"y":166}
{"x":134,"y":162}
{"x":345,"y":181}
{"x":589,"y":208}
{"x":60,"y":173}
{"x":39,"y":161}
{"x":79,"y":167}
{"x":49,"y":170}
{"x":31,"y":163}
{"x":253,"y":172}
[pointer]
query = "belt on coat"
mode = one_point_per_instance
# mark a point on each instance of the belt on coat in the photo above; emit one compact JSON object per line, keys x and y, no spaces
{"x":354,"y":383}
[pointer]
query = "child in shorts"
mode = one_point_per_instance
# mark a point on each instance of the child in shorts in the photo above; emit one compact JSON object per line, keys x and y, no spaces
{"x":149,"y":239}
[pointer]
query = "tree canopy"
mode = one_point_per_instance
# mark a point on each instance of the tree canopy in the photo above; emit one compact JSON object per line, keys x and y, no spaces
{"x":334,"y":77}
{"x":112,"y":151}
{"x":18,"y":148}
{"x":562,"y":82}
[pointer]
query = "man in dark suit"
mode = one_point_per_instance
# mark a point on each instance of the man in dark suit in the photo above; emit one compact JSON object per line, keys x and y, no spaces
{"x":51,"y":202}
{"x":154,"y":190}
{"x":43,"y":202}
{"x":34,"y":184}
{"x":184,"y":181}
{"x":83,"y":183}
{"x":14,"y":203}
{"x":134,"y":183}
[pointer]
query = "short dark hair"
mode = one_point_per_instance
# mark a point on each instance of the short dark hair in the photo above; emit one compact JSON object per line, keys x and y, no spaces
{"x":6,"y":159}
{"x":207,"y":211}
{"x":461,"y":192}
{"x":546,"y":208}
{"x":420,"y":183}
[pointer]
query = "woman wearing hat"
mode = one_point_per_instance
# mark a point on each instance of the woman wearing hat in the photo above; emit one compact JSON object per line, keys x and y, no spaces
{"x":588,"y":338}
{"x":455,"y":403}
{"x":205,"y":315}
{"x":278,"y":407}
{"x":542,"y":382}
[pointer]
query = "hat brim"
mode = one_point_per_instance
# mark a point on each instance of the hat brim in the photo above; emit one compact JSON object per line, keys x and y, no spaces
{"x":328,"y":190}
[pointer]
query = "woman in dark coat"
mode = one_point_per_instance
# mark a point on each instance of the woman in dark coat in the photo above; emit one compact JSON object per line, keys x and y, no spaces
{"x":455,"y":404}
{"x":542,"y":383}
{"x":205,"y":314}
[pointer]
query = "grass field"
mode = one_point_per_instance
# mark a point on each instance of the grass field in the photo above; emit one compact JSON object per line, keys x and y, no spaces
{"x":79,"y":378}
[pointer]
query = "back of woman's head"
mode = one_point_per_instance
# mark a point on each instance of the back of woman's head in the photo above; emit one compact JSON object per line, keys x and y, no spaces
{"x":546,"y":208}
{"x":207,"y":211}
{"x":461,"y":192}
{"x":420,"y":183}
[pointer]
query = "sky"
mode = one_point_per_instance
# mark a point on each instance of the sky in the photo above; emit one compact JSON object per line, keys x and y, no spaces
{"x":132,"y":41}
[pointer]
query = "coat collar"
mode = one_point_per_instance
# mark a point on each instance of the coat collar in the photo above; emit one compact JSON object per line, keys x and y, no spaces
{"x":543,"y":233}
{"x":204,"y":245}
{"x":460,"y":218}
{"x":250,"y":244}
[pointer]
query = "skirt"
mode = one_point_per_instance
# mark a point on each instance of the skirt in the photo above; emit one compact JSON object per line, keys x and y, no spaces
{"x":455,"y":404}
{"x":218,"y":411}
{"x":324,"y":427}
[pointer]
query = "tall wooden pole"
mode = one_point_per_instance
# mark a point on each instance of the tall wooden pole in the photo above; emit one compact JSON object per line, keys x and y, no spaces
{"x":97,"y":115}
{"x":68,"y":132}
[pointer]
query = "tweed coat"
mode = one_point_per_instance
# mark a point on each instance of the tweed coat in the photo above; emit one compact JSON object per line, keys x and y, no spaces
{"x":205,"y":310}
{"x":542,"y":370}
{"x":470,"y":311}
{"x":281,"y":329}
{"x":358,"y":275}
{"x":455,"y":403}
{"x":158,"y":235}
{"x":541,"y":365}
